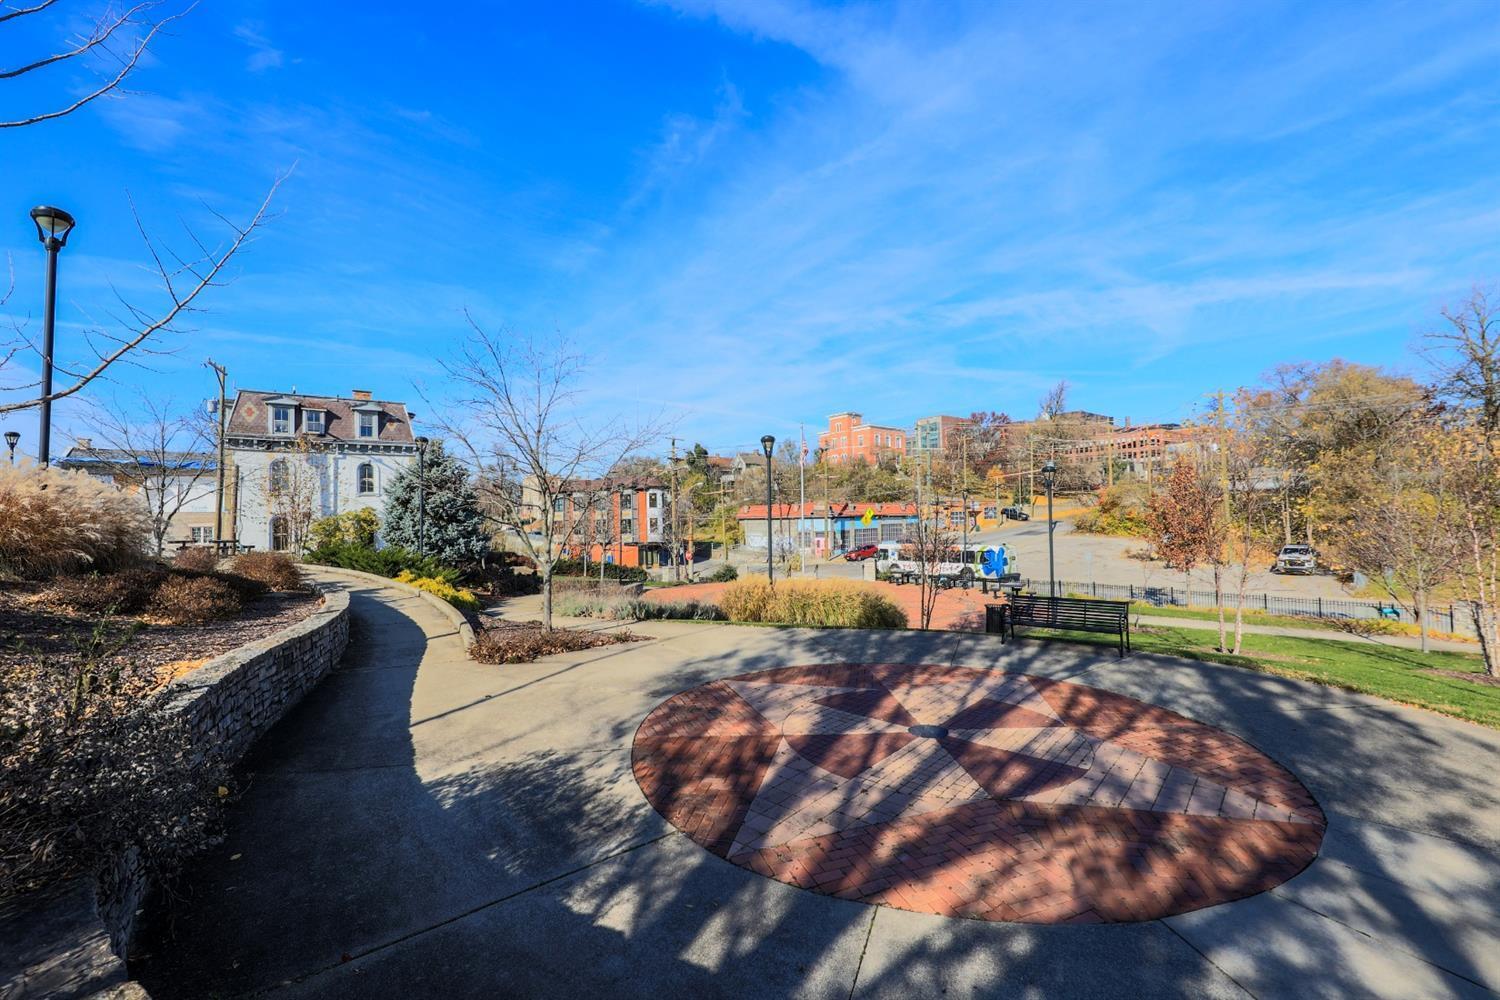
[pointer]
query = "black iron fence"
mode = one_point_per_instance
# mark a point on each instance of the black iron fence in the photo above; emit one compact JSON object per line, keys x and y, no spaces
{"x":1444,"y":618}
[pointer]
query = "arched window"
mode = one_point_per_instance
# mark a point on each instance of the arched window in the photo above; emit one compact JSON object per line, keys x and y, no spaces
{"x":367,"y":478}
{"x":280,"y":539}
{"x":278,"y":476}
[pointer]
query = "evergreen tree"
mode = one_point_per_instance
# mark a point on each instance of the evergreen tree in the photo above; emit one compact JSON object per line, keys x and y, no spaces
{"x":455,"y":529}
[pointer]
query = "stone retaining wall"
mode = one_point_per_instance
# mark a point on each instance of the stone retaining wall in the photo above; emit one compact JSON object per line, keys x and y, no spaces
{"x":230,"y":702}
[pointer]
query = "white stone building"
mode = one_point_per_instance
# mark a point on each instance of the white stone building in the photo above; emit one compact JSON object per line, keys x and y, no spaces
{"x":297,"y":458}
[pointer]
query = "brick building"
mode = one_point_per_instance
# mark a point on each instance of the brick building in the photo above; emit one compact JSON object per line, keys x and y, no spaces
{"x":934,"y":435}
{"x":849,"y":439}
{"x":623,"y":521}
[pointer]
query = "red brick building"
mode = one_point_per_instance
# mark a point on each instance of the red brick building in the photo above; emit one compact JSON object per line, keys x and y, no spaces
{"x":849,"y":439}
{"x":621,"y":521}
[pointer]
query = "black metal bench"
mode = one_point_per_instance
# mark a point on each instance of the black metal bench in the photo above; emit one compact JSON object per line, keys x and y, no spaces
{"x":1070,"y":613}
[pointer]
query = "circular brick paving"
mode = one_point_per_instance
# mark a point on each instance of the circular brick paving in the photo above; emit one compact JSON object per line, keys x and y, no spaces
{"x":973,"y":793}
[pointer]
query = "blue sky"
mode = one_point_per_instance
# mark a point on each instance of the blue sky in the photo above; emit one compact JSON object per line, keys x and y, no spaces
{"x":753,"y":214}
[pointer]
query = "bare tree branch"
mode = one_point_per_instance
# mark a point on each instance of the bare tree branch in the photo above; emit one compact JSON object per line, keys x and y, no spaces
{"x":206,"y":272}
{"x":104,"y":30}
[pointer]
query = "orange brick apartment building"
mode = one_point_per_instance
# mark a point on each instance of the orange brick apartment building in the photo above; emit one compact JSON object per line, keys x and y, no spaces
{"x":849,"y":439}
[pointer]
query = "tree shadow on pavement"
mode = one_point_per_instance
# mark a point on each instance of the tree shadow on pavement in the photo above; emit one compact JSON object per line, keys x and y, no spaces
{"x":434,"y":833}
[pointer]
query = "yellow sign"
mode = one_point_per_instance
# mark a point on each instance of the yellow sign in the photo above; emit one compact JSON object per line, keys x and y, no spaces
{"x":869,"y":517}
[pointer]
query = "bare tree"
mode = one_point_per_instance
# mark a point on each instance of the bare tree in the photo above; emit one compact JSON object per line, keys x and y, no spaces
{"x":115,"y":38}
{"x":519,"y":398}
{"x":183,"y":279}
{"x":163,"y":455}
{"x":929,"y":545}
{"x":1466,"y":357}
{"x":290,"y":488}
{"x":1054,"y":401}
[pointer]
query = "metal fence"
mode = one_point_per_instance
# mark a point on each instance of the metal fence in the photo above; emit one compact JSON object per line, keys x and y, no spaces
{"x":1449,"y":618}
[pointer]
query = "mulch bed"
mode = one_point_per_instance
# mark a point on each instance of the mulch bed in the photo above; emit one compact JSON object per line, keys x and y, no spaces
{"x":522,"y":642}
{"x":28,"y":632}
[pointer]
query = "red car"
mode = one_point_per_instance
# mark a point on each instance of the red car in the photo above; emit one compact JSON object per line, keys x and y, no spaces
{"x":862,"y":552}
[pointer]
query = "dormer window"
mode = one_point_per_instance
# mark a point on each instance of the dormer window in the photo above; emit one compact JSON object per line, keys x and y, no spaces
{"x":281,"y":420}
{"x":367,"y":424}
{"x":312,"y":421}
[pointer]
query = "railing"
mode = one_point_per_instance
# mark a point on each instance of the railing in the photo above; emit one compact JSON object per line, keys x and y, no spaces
{"x":1450,"y":618}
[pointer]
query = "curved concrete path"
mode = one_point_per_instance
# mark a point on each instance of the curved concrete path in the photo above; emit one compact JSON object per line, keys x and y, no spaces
{"x":426,"y":826}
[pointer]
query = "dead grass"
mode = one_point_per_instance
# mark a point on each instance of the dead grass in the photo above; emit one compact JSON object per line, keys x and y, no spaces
{"x":523,"y":642}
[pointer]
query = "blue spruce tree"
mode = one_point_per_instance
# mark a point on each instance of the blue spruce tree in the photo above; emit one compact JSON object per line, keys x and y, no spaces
{"x":455,"y":530}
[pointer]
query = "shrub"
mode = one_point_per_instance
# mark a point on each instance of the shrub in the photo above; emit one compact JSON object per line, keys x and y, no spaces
{"x":196,"y":558}
{"x":128,"y":592}
{"x":93,"y":766}
{"x":388,"y":561}
{"x":516,"y":643}
{"x":724,"y":574}
{"x":53,"y":522}
{"x":612,"y":571}
{"x":508,"y":581}
{"x":459,"y":597}
{"x":274,"y":569}
{"x":190,"y":600}
{"x":353,"y":527}
{"x":616,"y":608}
{"x":841,"y":603}
{"x":1121,"y":511}
{"x":513,"y":559}
{"x":698,"y":611}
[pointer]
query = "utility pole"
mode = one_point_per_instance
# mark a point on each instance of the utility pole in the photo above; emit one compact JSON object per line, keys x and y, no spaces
{"x":827,"y":512}
{"x":1109,"y":451}
{"x":676,"y":569}
{"x":801,"y":489}
{"x":222,"y":374}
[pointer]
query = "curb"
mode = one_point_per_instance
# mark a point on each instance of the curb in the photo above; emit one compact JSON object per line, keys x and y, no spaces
{"x":455,"y":617}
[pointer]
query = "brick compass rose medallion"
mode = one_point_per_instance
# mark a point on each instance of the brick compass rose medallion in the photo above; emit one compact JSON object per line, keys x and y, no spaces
{"x":973,"y":793}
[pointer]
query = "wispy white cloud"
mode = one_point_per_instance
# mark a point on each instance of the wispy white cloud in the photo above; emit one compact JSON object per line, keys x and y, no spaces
{"x":263,"y":54}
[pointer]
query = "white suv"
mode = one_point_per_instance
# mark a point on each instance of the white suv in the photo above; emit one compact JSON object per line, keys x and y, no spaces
{"x":1296,"y":559}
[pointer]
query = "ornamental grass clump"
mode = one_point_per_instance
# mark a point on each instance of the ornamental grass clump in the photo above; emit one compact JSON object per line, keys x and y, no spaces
{"x":837,"y":603}
{"x":54,"y":522}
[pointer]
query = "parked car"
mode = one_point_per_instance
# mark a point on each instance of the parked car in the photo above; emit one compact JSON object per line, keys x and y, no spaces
{"x":862,"y":552}
{"x":1016,"y":514}
{"x":1296,"y":559}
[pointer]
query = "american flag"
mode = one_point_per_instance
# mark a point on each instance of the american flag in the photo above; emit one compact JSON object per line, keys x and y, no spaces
{"x":803,"y":459}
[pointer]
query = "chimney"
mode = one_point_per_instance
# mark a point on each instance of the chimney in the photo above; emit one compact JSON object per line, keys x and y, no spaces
{"x":362,"y":394}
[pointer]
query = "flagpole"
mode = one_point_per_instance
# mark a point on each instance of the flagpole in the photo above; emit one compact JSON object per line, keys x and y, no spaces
{"x":801,"y":488}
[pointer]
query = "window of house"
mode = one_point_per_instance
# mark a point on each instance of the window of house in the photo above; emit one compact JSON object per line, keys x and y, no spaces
{"x":627,"y":527}
{"x":201,"y":535}
{"x":656,"y":524}
{"x":278,"y":476}
{"x":312,"y":421}
{"x":651,"y":499}
{"x":281,"y":420}
{"x":859,"y":441}
{"x":559,"y":504}
{"x":367,"y":425}
{"x":366,"y":478}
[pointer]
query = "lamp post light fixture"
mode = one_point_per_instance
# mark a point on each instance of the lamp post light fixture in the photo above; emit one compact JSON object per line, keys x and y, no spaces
{"x":422,"y":444}
{"x":766,"y":444}
{"x":1049,"y":479}
{"x":12,"y":438}
{"x":52,"y":227}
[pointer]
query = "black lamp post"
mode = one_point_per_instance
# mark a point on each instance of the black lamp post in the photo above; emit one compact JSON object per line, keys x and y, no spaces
{"x":12,"y":438}
{"x":766,"y":444}
{"x":422,"y":443}
{"x":1049,"y":479}
{"x":52,"y":228}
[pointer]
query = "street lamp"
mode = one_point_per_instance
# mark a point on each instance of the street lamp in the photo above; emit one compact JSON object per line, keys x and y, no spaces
{"x":422,"y":443}
{"x":1049,"y":479}
{"x":52,"y":228}
{"x":766,"y":444}
{"x":12,"y":438}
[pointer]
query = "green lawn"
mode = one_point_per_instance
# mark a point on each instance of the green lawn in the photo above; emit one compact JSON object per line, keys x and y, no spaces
{"x":1388,"y":672}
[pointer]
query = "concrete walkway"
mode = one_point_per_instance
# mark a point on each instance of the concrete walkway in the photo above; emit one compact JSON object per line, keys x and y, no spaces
{"x":426,"y":826}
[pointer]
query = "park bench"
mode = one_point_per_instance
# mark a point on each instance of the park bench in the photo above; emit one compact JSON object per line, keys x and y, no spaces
{"x":1070,"y":613}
